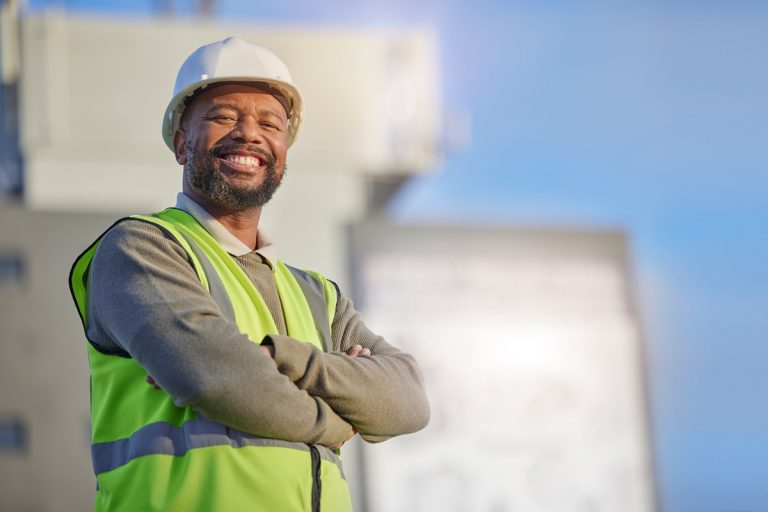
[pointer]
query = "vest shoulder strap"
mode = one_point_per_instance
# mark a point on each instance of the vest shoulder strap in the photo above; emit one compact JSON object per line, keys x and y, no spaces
{"x":315,"y":289}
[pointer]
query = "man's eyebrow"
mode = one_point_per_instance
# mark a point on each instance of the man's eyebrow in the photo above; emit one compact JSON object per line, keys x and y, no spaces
{"x":219,"y":106}
{"x":232,"y":106}
{"x":270,"y":113}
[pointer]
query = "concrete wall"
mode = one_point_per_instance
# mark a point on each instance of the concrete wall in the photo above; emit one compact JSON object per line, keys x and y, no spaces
{"x":43,"y":363}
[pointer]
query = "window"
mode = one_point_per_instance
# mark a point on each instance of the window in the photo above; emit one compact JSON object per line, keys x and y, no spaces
{"x":11,"y":270}
{"x":13,"y":435}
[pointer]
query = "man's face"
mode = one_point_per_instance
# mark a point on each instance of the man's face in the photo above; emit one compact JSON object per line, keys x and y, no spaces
{"x":233,"y":144}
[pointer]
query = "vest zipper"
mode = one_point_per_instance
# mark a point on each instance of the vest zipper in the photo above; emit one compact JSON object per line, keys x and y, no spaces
{"x":316,"y":483}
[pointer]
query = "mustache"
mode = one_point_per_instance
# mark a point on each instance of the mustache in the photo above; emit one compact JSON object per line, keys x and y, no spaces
{"x":222,"y":149}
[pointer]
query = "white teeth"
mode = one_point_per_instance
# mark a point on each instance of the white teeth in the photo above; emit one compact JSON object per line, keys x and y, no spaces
{"x":250,"y":161}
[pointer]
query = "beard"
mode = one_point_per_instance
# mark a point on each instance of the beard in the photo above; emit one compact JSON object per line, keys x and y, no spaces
{"x":203,"y":173}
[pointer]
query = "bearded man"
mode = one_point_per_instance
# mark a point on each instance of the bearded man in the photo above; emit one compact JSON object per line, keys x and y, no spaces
{"x":221,"y":378}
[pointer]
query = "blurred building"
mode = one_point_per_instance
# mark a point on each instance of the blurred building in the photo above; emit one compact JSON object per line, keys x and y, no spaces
{"x":530,"y":343}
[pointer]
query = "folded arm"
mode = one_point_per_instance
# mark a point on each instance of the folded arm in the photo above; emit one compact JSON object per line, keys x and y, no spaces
{"x":145,"y":299}
{"x":382,"y":394}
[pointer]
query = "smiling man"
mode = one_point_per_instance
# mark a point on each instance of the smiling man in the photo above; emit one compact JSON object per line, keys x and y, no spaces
{"x":221,"y":378}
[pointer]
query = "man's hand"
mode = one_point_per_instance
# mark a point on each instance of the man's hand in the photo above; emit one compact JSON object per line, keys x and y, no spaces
{"x":152,"y":382}
{"x":349,"y":436}
{"x":358,"y":350}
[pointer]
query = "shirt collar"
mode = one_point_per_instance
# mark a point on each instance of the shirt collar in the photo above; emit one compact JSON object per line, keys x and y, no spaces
{"x":227,"y":240}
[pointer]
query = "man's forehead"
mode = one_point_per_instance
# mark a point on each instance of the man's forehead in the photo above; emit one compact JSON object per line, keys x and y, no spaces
{"x":221,"y":93}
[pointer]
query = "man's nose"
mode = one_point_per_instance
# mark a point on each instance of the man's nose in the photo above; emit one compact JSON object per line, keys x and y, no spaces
{"x":247,"y":130}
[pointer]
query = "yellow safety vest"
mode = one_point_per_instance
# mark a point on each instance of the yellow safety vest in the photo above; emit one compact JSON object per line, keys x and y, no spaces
{"x":148,"y":454}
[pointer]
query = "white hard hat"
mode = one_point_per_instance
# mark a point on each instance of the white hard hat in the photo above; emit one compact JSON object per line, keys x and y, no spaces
{"x":232,"y":60}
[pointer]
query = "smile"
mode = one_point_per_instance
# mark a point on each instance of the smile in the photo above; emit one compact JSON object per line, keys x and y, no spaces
{"x":244,"y":160}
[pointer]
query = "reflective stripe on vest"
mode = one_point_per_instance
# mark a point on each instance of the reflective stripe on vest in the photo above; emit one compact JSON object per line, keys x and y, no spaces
{"x":166,"y":439}
{"x":136,"y":429}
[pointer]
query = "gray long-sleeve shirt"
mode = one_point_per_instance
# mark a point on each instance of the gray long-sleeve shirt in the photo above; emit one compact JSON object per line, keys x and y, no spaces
{"x":146,"y":301}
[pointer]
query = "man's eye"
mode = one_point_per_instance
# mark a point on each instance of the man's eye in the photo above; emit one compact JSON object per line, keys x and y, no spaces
{"x":223,"y":118}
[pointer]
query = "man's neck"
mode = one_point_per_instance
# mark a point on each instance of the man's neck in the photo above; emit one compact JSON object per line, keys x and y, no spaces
{"x":244,"y":225}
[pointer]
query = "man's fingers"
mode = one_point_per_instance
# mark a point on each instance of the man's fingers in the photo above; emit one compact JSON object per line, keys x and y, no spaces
{"x":354,"y":351}
{"x":358,"y":350}
{"x":268,"y":350}
{"x":350,"y":435}
{"x":152,"y":382}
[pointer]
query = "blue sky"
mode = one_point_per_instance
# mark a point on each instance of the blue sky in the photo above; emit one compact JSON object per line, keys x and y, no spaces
{"x":647,"y":116}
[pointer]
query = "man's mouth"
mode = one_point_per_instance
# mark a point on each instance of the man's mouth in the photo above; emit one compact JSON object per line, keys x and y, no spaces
{"x":244,"y":160}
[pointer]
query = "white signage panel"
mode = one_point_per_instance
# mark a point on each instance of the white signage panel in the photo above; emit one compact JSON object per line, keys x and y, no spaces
{"x":531,"y":353}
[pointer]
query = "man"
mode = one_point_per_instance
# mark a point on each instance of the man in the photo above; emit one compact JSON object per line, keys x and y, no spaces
{"x":221,"y":378}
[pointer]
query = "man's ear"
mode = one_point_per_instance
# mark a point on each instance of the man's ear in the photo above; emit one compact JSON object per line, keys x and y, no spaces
{"x":180,"y":146}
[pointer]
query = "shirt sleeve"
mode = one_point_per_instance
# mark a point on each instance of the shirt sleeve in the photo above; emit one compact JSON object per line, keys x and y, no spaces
{"x":146,"y":300}
{"x":382,"y":395}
